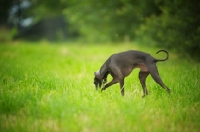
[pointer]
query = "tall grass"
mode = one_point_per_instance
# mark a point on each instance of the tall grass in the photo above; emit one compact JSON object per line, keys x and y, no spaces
{"x":48,"y":88}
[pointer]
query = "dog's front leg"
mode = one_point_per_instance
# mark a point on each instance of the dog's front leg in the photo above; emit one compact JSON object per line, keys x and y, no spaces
{"x":122,"y":86}
{"x":114,"y":80}
{"x":104,"y":82}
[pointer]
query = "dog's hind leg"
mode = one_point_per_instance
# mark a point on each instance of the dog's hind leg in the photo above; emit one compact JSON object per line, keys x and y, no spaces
{"x":155,"y":75}
{"x":142,"y":77}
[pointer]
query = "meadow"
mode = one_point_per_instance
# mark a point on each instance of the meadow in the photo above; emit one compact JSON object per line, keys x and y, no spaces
{"x":49,"y":88}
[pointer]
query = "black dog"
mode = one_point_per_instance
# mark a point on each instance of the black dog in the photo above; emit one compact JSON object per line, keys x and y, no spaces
{"x":120,"y":65}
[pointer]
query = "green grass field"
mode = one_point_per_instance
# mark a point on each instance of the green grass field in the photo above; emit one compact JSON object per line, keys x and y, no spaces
{"x":49,"y":88}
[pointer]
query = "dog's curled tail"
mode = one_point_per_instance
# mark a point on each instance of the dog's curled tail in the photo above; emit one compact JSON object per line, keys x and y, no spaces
{"x":162,"y":59}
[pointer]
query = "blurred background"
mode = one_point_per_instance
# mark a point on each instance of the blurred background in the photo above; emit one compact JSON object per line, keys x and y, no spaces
{"x":173,"y":24}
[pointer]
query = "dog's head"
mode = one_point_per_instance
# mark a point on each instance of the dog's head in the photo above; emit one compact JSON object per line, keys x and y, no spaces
{"x":97,"y":80}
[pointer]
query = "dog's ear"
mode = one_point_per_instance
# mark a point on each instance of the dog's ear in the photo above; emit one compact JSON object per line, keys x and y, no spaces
{"x":97,"y":75}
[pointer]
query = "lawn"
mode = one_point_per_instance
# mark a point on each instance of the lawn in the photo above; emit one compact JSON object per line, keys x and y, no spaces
{"x":49,"y":88}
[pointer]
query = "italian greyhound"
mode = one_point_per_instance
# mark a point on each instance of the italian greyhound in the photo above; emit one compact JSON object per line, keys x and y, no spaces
{"x":121,"y":64}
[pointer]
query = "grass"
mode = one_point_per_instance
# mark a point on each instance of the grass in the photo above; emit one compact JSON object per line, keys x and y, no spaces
{"x":49,"y":87}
